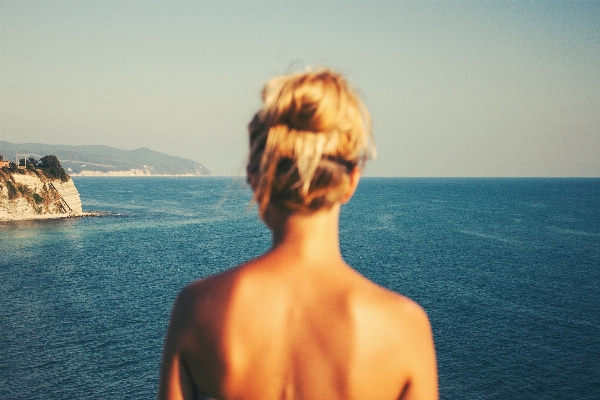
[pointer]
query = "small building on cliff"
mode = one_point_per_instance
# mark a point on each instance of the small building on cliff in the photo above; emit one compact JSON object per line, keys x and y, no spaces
{"x":4,"y":163}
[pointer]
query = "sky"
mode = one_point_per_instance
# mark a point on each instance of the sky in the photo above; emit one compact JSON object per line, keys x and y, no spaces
{"x":454,"y":88}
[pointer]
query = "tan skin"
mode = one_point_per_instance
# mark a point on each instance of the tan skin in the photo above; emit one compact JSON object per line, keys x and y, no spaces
{"x":297,"y":323}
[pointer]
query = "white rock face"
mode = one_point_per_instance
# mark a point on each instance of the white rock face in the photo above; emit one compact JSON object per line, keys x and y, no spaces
{"x":69,"y":193}
{"x":60,"y":199}
{"x":131,"y":172}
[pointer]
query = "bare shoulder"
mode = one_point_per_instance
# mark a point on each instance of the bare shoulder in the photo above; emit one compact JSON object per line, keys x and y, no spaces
{"x":394,"y":333}
{"x":407,"y":310}
{"x":207,"y":296}
{"x":209,"y":300}
{"x":197,"y":310}
{"x":398,"y":309}
{"x":195,"y":337}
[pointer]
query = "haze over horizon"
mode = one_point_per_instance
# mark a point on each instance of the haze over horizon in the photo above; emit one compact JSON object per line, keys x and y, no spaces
{"x":454,"y":88}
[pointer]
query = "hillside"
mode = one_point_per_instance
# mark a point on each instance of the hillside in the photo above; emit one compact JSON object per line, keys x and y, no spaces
{"x":93,"y":160}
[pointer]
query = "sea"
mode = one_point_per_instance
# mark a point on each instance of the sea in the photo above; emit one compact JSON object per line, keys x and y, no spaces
{"x":508,"y":271}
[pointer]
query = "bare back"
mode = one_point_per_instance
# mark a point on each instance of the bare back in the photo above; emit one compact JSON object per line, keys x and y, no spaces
{"x":297,"y":322}
{"x":281,"y":329}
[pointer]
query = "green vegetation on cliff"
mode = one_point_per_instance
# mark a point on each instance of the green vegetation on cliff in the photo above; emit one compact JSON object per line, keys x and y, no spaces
{"x":51,"y":166}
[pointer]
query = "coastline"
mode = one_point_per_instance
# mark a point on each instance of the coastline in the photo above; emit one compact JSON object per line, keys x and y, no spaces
{"x":8,"y":217}
{"x":129,"y":173}
{"x":118,"y":175}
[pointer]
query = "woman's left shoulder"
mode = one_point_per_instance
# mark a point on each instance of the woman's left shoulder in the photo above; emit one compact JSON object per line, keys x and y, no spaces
{"x":396,"y":308}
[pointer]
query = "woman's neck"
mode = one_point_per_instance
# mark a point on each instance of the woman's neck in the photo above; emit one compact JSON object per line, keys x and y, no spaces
{"x":309,"y":236}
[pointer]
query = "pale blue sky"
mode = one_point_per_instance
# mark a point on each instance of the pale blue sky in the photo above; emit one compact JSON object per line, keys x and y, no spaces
{"x":454,"y":88}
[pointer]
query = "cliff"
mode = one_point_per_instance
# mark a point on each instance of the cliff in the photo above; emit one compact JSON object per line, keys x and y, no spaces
{"x":34,"y":194}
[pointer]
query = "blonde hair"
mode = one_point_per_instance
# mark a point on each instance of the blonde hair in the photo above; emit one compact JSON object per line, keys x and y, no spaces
{"x":310,"y":134}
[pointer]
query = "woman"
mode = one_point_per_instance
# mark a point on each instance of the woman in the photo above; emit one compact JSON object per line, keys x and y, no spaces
{"x":298,"y":322}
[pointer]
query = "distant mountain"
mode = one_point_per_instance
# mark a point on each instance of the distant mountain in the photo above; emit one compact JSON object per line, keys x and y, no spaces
{"x":104,"y":160}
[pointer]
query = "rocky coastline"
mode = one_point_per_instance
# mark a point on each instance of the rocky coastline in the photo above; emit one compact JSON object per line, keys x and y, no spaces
{"x":30,"y":194}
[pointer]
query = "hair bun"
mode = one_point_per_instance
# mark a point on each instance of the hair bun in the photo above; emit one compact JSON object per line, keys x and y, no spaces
{"x":311,"y":127}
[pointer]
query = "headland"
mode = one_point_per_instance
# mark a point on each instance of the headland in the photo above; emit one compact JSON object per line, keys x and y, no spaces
{"x":38,"y":192}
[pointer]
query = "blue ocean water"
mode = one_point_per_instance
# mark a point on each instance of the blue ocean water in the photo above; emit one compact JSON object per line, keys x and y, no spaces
{"x":507,"y":269}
